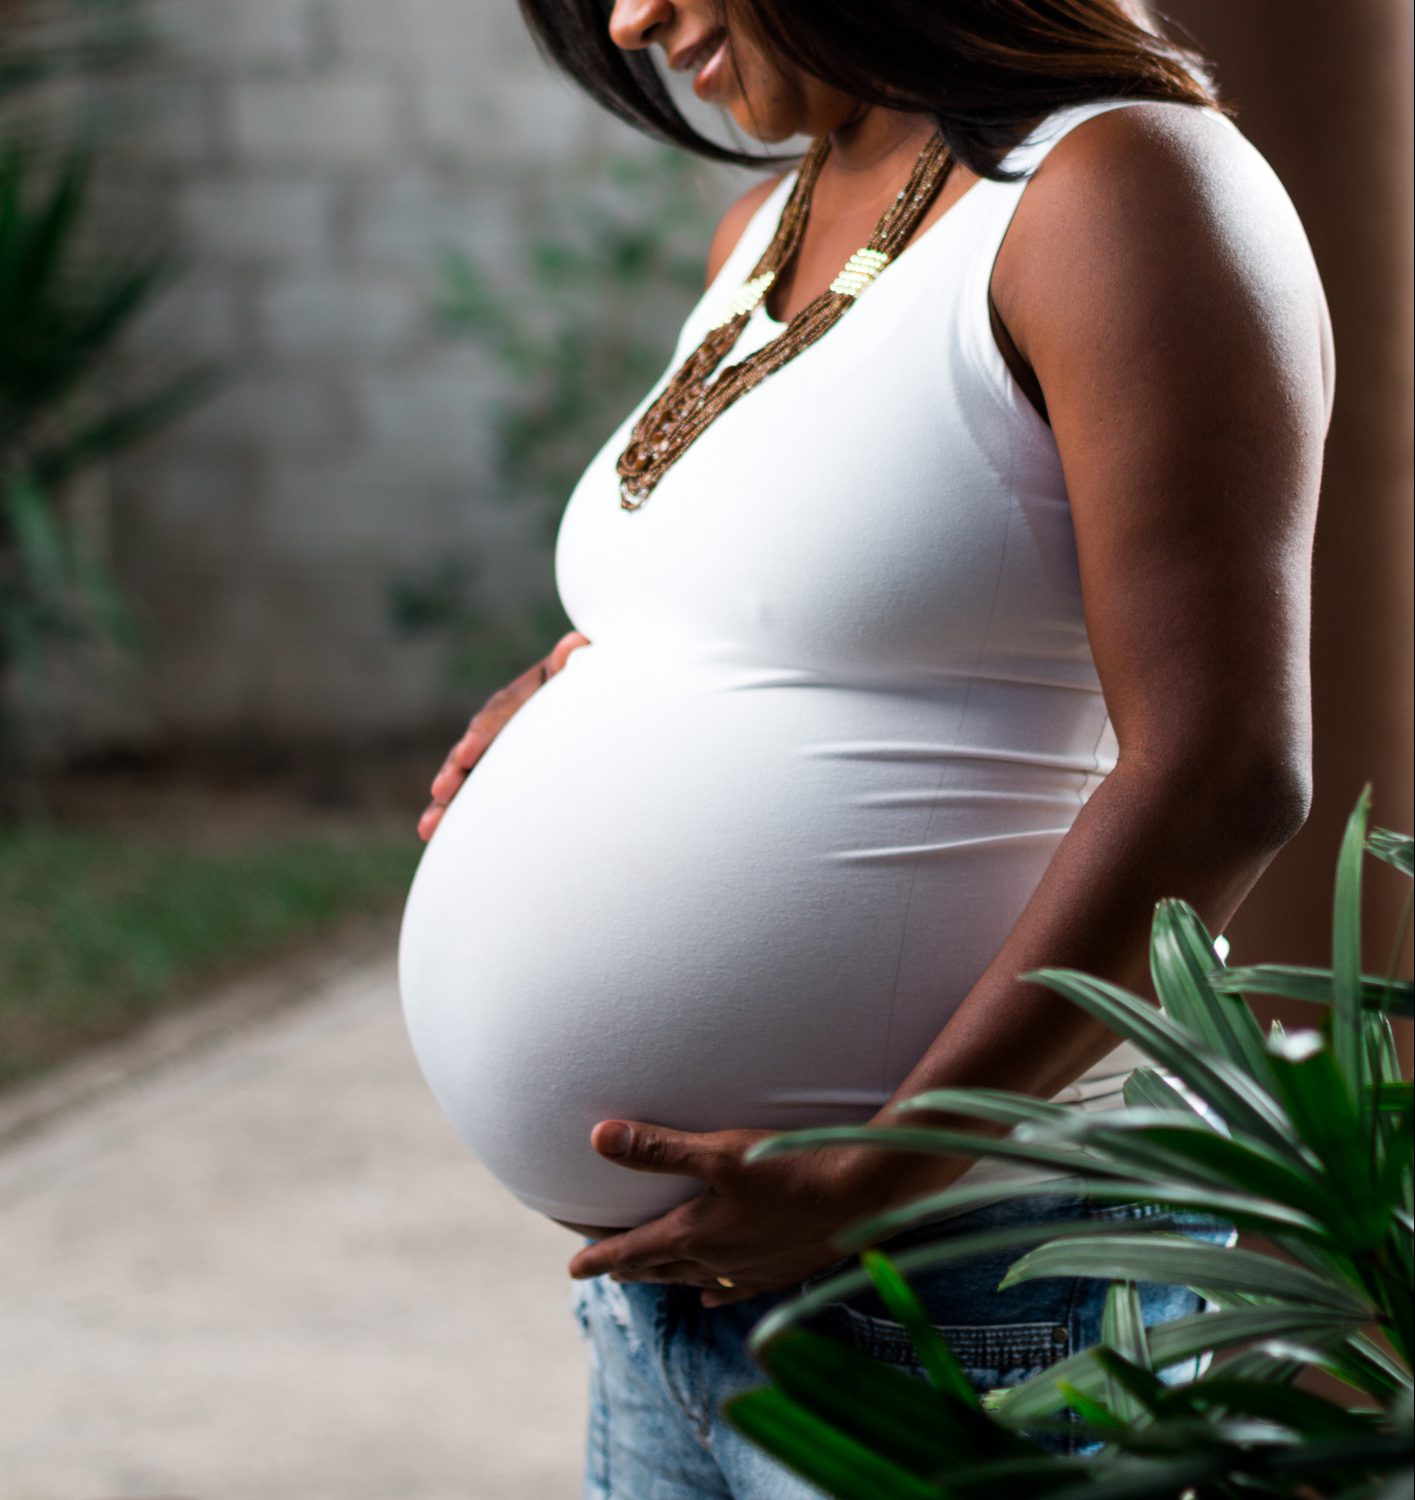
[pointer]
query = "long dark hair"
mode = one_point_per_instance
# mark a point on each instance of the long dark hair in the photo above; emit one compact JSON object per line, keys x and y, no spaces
{"x":984,"y":70}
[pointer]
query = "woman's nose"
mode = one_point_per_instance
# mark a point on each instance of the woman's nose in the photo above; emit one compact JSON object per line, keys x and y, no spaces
{"x":633,"y":23}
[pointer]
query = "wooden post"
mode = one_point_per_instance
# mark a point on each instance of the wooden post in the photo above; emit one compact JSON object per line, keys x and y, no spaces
{"x":1324,"y":92}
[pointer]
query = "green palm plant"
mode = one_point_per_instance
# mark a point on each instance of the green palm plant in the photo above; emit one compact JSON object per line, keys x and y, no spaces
{"x":68,"y":295}
{"x":63,"y":308}
{"x":1303,"y":1137}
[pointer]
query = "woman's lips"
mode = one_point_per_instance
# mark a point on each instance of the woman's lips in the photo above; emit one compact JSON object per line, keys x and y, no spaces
{"x":708,"y":76}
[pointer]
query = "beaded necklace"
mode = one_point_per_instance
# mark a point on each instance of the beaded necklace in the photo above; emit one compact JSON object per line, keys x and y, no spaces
{"x":689,"y":403}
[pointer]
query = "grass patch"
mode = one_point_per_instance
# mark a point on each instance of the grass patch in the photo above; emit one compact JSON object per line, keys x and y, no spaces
{"x":99,"y":931}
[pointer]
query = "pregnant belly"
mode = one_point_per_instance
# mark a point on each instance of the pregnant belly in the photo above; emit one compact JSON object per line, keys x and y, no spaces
{"x":701,"y":903}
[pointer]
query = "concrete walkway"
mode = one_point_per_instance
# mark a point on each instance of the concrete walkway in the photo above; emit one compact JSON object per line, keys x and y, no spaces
{"x":246,"y":1258}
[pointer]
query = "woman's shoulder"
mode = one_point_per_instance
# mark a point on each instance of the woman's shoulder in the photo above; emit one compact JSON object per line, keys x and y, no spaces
{"x":1159,"y":175}
{"x":734,"y":221}
{"x":1137,"y":212}
{"x":1185,"y":143}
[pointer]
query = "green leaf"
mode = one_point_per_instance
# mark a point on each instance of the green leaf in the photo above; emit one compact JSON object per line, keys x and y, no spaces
{"x":1244,"y":1210}
{"x":1134,"y":1377}
{"x":997,"y":1105}
{"x":62,"y":592}
{"x":38,"y":538}
{"x":1182,"y":963}
{"x":115,"y":616}
{"x":1163,"y":1146}
{"x":938,"y":1360}
{"x":42,"y":251}
{"x":949,"y":1201}
{"x":1123,"y":1332}
{"x":1123,"y":1325}
{"x":928,"y":1140}
{"x":1277,"y":1361}
{"x":1170,"y":1342}
{"x":1393,"y":1180}
{"x":842,"y":1467}
{"x":112,"y":302}
{"x":1165,"y":1258}
{"x":1169,"y":1149}
{"x":1344,"y":1356}
{"x":1387,"y":1065}
{"x":1396,"y":849}
{"x":1237,"y":1097}
{"x":1087,"y":1407}
{"x":1319,"y":1462}
{"x":1300,"y":982}
{"x":1346,"y":949}
{"x":1148,"y":1088}
{"x":1306,"y":1414}
{"x":1330,"y":1123}
{"x":1382,"y":1063}
{"x":128,"y":423}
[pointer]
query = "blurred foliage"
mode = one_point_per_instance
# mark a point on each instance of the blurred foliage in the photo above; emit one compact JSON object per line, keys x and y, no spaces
{"x":485,"y":645}
{"x":580,"y":326}
{"x":43,"y":42}
{"x":99,"y":931}
{"x":67,"y":296}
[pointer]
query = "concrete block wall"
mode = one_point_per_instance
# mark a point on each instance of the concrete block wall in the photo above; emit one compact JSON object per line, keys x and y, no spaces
{"x":310,"y":157}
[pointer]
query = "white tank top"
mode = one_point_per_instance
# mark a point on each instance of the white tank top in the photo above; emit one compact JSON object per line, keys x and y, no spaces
{"x":737,"y":863}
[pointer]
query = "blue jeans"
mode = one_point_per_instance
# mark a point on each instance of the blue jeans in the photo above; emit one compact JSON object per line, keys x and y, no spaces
{"x":661,"y":1363}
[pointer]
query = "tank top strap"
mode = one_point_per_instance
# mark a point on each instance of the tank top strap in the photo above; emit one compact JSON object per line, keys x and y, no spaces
{"x":989,"y":219}
{"x":1000,"y":199}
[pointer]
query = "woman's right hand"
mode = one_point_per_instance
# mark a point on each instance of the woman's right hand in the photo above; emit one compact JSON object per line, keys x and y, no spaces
{"x":486,"y":723}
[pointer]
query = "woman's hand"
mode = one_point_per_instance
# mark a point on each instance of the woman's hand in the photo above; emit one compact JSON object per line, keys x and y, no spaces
{"x":766,"y":1225}
{"x":486,"y":723}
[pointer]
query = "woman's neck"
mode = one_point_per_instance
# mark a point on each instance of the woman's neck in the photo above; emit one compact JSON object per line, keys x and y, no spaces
{"x":873,"y":140}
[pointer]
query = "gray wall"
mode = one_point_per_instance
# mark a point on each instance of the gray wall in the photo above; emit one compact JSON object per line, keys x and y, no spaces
{"x":311,"y":156}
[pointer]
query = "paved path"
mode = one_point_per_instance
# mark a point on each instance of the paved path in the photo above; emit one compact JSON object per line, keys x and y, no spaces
{"x":250,"y":1260}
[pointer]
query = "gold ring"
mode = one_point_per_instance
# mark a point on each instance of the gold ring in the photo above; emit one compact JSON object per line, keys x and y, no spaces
{"x":725,"y":1281}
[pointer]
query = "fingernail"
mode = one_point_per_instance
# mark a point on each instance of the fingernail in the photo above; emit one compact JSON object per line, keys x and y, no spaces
{"x":614,"y":1139}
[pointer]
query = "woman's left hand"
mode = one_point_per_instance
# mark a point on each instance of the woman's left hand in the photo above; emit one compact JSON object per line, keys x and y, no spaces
{"x":766,"y":1225}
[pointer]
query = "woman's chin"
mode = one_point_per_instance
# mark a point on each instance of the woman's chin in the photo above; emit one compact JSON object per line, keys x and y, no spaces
{"x":767,"y":132}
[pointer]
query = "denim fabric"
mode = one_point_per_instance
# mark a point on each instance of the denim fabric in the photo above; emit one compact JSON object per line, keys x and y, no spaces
{"x":661,"y":1363}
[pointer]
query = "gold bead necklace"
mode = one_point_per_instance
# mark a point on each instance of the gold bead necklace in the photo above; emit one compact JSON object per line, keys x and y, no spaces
{"x":689,"y":402}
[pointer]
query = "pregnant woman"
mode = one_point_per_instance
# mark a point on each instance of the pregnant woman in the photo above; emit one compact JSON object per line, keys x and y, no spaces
{"x":942,"y":607}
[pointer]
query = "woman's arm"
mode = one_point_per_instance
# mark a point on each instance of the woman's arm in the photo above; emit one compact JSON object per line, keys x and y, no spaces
{"x":1161,"y":287}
